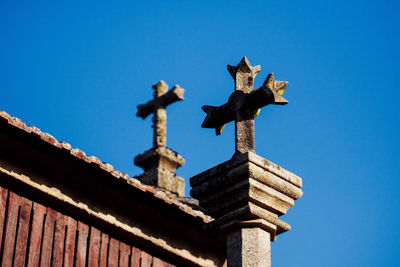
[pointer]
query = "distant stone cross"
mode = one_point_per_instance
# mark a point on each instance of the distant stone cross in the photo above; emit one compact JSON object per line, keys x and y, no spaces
{"x":159,"y":162}
{"x":162,"y":98}
{"x":244,"y":104}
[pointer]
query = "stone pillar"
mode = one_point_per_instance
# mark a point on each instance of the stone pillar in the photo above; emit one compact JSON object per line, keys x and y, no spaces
{"x":248,"y":247}
{"x":246,"y":195}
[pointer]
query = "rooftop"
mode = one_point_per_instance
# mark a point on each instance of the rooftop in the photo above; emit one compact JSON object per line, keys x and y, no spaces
{"x":187,"y":205}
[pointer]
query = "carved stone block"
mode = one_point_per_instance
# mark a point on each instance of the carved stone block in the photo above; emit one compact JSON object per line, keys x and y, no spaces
{"x":247,"y":188}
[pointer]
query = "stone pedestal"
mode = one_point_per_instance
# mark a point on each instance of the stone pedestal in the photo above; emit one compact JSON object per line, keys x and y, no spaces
{"x":246,"y":195}
{"x":159,"y":164}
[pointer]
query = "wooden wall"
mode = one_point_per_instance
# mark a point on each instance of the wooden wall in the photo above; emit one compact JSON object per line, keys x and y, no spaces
{"x":35,"y":235}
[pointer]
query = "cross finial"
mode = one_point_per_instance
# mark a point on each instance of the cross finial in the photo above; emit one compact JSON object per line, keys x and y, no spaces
{"x":161,"y":99}
{"x":159,"y":162}
{"x":244,"y":104}
{"x":245,"y":70}
{"x":159,"y":88}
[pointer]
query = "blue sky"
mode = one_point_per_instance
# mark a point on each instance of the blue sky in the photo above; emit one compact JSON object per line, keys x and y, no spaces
{"x":77,"y":71}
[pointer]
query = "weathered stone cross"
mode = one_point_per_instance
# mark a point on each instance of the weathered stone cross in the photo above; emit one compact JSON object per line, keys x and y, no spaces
{"x":159,"y":162}
{"x":244,"y":104}
{"x":162,"y":98}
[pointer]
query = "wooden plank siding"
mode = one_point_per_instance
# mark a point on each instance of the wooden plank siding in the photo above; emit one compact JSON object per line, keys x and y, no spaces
{"x":23,"y":232}
{"x":32,"y":234}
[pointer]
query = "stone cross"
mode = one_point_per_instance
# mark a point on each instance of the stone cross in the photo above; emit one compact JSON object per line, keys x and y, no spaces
{"x":159,"y":162}
{"x":244,"y":104}
{"x":246,"y":194}
{"x":161,"y":99}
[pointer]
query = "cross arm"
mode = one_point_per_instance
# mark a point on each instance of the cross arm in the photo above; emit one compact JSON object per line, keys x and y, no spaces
{"x":217,"y":117}
{"x":249,"y":103}
{"x":145,"y":110}
{"x":269,"y":93}
{"x":173,"y":95}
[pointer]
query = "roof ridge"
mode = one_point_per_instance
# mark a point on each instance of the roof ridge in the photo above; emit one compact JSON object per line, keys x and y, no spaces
{"x":48,"y":138}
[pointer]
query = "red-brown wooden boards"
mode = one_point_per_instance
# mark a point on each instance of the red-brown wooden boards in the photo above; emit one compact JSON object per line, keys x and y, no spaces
{"x":70,"y":237}
{"x":113,"y":251}
{"x":94,"y":247}
{"x":58,"y":245}
{"x":47,"y":243}
{"x":124,"y":253}
{"x":146,"y":259}
{"x":103,"y":250}
{"x":3,"y":204}
{"x":39,"y":212}
{"x":83,"y":232}
{"x":135,"y":257}
{"x":23,"y":232}
{"x":35,"y":235}
{"x":10,"y":229}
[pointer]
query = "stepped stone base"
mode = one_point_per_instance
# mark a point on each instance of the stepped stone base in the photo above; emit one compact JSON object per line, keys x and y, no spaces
{"x":159,"y":164}
{"x":247,"y":190}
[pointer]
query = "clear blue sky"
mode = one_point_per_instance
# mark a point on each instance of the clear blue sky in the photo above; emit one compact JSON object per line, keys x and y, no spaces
{"x":77,"y":71}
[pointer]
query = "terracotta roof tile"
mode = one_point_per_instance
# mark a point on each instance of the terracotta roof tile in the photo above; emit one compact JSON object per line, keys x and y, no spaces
{"x":45,"y":137}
